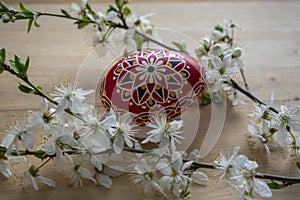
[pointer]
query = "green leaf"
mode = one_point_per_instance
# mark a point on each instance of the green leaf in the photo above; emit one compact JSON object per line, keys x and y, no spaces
{"x":4,"y":6}
{"x":25,"y":88}
{"x":111,"y":8}
{"x":64,"y":12}
{"x":22,"y":7}
{"x":126,"y":11}
{"x":80,"y":25}
{"x":29,"y":25}
{"x":119,"y":4}
{"x":40,"y":154}
{"x":88,"y":6}
{"x":275,"y":185}
{"x":180,"y":46}
{"x":1,"y":70}
{"x":219,"y":28}
{"x":205,"y":99}
{"x":18,"y":64}
{"x":39,"y":87}
{"x":26,"y":65}
{"x":2,"y":56}
{"x":298,"y":164}
{"x":36,"y":24}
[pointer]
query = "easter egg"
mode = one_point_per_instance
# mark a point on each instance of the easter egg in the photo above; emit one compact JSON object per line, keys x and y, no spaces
{"x":152,"y":83}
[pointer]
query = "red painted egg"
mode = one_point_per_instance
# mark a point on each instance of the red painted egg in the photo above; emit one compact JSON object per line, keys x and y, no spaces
{"x":152,"y":82}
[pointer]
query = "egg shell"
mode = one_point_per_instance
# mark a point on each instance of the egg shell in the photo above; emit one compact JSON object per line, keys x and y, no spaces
{"x":152,"y":83}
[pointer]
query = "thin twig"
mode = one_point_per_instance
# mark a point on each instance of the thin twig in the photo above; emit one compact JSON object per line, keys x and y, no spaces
{"x":147,"y":38}
{"x":236,"y":86}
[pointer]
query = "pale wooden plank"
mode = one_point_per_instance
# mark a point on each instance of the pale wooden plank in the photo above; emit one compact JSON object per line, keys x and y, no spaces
{"x":270,"y":31}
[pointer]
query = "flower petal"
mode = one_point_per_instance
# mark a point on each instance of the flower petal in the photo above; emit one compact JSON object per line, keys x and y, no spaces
{"x":261,"y":188}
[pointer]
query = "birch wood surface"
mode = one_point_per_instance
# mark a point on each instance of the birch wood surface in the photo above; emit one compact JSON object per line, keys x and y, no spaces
{"x":269,"y":33}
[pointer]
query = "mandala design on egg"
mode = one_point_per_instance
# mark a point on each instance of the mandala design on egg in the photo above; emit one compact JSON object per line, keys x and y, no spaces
{"x":152,"y":82}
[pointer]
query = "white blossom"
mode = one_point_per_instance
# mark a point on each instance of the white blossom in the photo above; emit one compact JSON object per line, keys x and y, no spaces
{"x":163,"y":132}
{"x":31,"y":176}
{"x":260,"y":137}
{"x":94,"y":134}
{"x":146,"y":178}
{"x":288,"y":117}
{"x":41,"y":119}
{"x":240,"y":173}
{"x":79,"y":172}
{"x":70,"y":97}
{"x":122,"y":132}
{"x":17,"y":132}
{"x":225,"y":163}
{"x":174,"y":174}
{"x":5,"y":168}
{"x":262,"y":111}
{"x":59,"y":138}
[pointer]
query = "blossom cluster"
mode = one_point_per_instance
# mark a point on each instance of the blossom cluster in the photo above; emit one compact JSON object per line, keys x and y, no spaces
{"x":221,"y":58}
{"x":239,"y":172}
{"x":275,"y":130}
{"x":89,"y":141}
{"x":105,"y":37}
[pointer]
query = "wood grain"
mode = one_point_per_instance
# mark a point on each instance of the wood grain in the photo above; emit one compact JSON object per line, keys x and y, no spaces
{"x":270,"y":35}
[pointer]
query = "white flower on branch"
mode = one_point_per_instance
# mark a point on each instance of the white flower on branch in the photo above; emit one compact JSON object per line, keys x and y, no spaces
{"x":219,"y":76}
{"x":240,"y":173}
{"x":176,"y":176}
{"x":70,"y":97}
{"x":94,"y":134}
{"x":288,"y":117}
{"x":122,"y":132}
{"x":223,"y":163}
{"x":5,"y":168}
{"x":261,"y":111}
{"x":79,"y":172}
{"x":260,"y":137}
{"x":163,"y":132}
{"x":146,"y":177}
{"x":59,"y":139}
{"x":41,"y":119}
{"x":31,"y":176}
{"x":245,"y":181}
{"x":17,"y":132}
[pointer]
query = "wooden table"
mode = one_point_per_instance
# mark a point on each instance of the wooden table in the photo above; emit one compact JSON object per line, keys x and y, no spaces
{"x":270,"y":36}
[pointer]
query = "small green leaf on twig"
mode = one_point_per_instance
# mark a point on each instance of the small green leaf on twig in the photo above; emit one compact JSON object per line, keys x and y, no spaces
{"x":275,"y":185}
{"x":40,"y":154}
{"x":298,"y":164}
{"x":119,"y":4}
{"x":2,"y":56}
{"x":3,"y":6}
{"x":19,"y":67}
{"x":180,"y":46}
{"x":205,"y":99}
{"x":22,"y":7}
{"x":26,"y":64}
{"x":25,"y":88}
{"x":65,"y":12}
{"x":29,"y":25}
{"x":111,"y":8}
{"x":39,"y":87}
{"x":126,"y":11}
